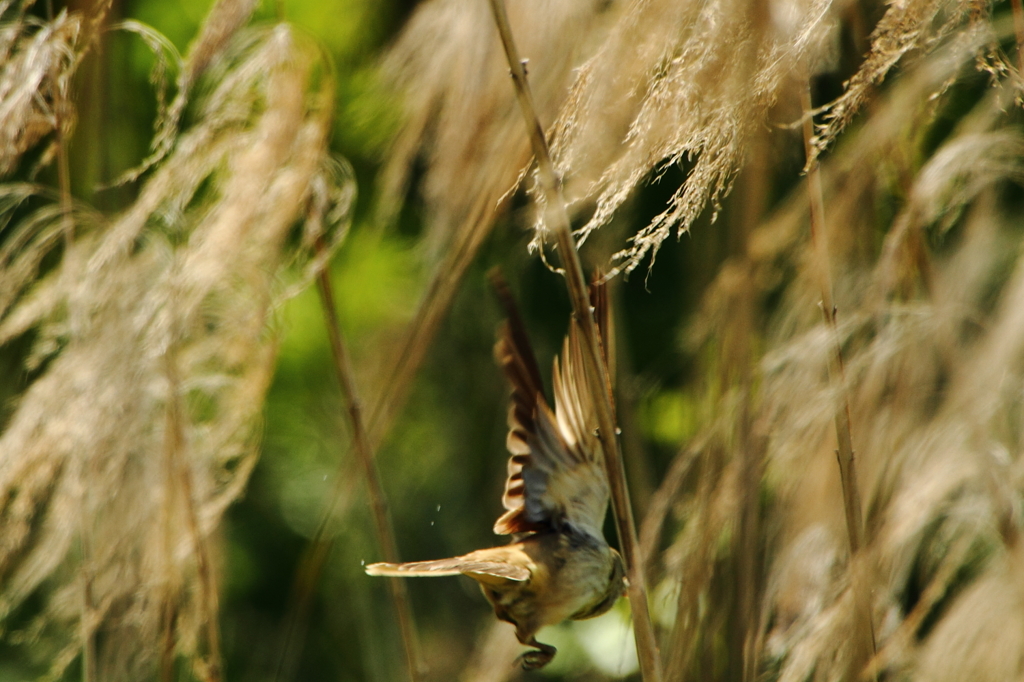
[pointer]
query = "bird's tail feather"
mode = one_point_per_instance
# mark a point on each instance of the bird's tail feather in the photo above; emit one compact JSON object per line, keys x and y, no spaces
{"x":439,"y":567}
{"x":476,"y":567}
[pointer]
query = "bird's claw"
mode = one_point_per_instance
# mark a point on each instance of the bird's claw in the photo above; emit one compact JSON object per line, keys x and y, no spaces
{"x":537,"y":658}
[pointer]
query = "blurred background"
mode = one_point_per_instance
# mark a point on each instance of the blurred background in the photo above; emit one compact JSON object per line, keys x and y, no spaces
{"x":689,"y":139}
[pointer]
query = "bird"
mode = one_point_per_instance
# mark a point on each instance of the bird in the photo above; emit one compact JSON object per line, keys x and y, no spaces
{"x":558,"y":565}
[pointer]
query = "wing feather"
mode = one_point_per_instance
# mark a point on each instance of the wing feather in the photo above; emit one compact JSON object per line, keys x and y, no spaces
{"x":556,"y":470}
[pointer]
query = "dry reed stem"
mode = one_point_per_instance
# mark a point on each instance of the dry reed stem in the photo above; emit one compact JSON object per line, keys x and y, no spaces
{"x":865,"y":637}
{"x":598,"y":376}
{"x":661,"y":502}
{"x":300,"y":603}
{"x":738,"y":359}
{"x":747,"y":540}
{"x":431,"y":311}
{"x":171,"y":445}
{"x":314,"y":557}
{"x":383,"y":525}
{"x":436,"y":302}
{"x":179,"y":494}
{"x":1018,"y":28}
{"x":61,"y":112}
{"x":209,"y":601}
{"x":705,"y":524}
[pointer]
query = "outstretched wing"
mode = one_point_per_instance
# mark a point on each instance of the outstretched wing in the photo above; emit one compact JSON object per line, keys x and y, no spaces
{"x":583,"y":490}
{"x":556,"y":471}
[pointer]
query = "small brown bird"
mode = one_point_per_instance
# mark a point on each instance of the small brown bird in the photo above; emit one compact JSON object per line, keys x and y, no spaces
{"x":558,"y":566}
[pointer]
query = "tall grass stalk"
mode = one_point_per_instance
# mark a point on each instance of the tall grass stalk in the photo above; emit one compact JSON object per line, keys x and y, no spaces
{"x":434,"y":305}
{"x":383,"y":525}
{"x":864,"y":637}
{"x":417,"y":339}
{"x":61,"y":111}
{"x":1017,"y":7}
{"x":598,"y":376}
{"x":738,"y":374}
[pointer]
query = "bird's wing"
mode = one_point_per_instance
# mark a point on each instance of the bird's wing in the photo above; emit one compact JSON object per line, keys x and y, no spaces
{"x":556,"y":472}
{"x":584,"y":490}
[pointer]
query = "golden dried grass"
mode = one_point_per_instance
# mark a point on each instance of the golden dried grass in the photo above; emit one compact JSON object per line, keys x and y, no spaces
{"x":156,"y":341}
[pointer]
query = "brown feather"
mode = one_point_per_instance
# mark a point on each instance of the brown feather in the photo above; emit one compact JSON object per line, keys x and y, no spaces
{"x":454,"y":566}
{"x":514,"y":355}
{"x":555,"y":472}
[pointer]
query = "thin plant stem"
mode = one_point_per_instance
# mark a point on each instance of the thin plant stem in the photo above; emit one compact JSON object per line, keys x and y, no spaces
{"x":172,"y":440}
{"x":378,"y":501}
{"x":315,"y":557}
{"x":747,"y":550}
{"x":662,"y":500}
{"x":1017,"y":7}
{"x":837,"y":375}
{"x":297,"y":619}
{"x":64,"y":179}
{"x":307,"y":575}
{"x":847,"y":466}
{"x":431,"y":311}
{"x":902,"y":638}
{"x":696,"y":575}
{"x":207,"y":588}
{"x":738,"y":357}
{"x":180,"y":479}
{"x":68,"y":230}
{"x":87,"y":634}
{"x":599,"y":380}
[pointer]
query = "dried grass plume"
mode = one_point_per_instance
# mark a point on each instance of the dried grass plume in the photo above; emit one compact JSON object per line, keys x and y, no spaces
{"x":155,"y":344}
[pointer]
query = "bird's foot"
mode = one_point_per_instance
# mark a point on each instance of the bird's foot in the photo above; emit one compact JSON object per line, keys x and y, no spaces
{"x":538,"y":658}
